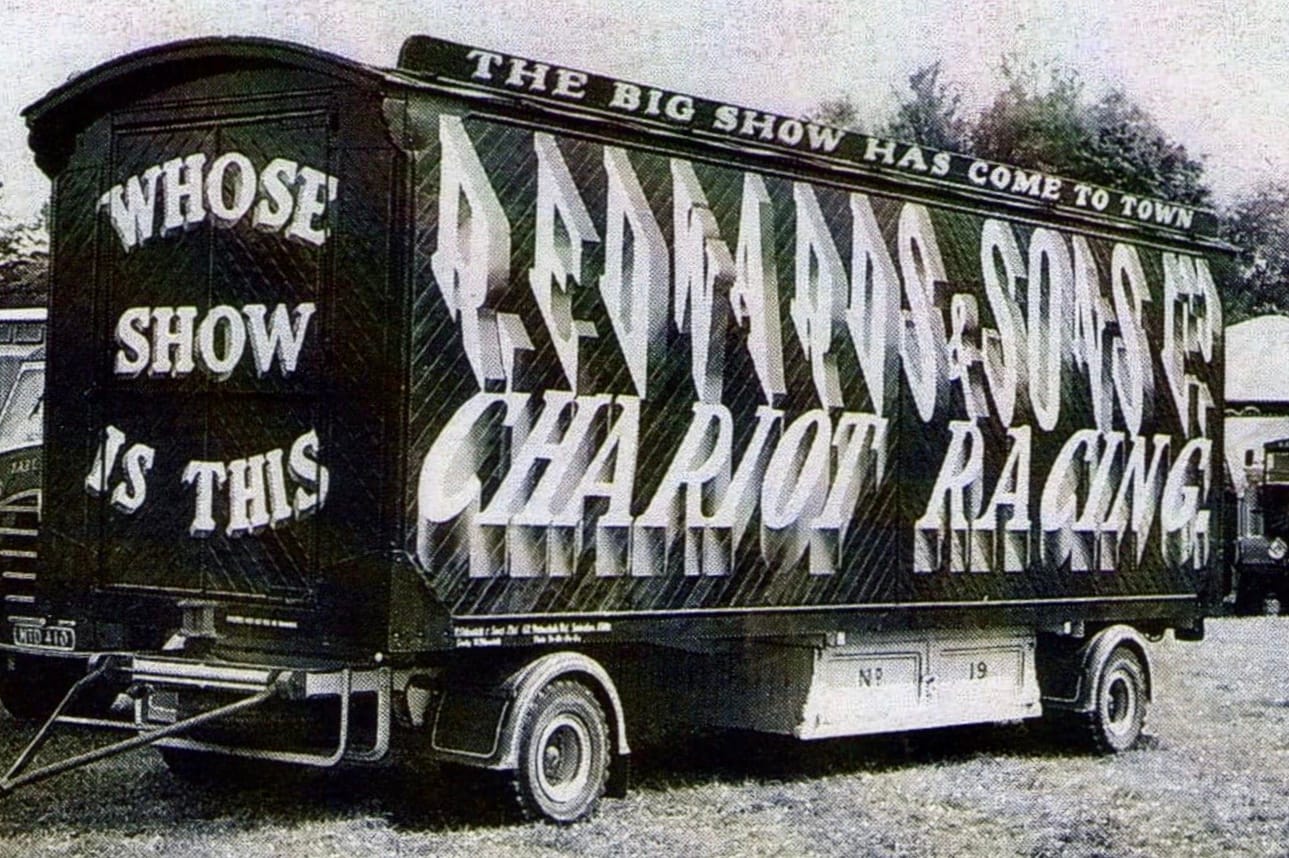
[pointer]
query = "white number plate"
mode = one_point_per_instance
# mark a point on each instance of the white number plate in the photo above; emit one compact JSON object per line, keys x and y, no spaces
{"x":45,"y":637}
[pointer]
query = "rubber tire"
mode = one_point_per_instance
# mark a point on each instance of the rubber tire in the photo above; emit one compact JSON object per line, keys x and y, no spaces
{"x":1118,"y":717}
{"x":1250,"y":599}
{"x":564,"y":712}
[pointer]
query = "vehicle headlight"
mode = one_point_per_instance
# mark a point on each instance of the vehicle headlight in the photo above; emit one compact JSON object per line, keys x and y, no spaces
{"x":1277,"y":549}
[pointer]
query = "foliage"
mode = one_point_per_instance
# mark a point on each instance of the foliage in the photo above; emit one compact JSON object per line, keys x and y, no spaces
{"x":838,"y":112}
{"x":1043,"y":118}
{"x":931,"y":113}
{"x":1258,"y":224}
{"x":24,"y":261}
{"x":1047,"y":119}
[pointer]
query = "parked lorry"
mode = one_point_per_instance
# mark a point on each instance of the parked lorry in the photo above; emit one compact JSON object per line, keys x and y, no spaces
{"x":1257,"y":459}
{"x":503,"y":411}
{"x":22,"y":384}
{"x":1262,"y":552}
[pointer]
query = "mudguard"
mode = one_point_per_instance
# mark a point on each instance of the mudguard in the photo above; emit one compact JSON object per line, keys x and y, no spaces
{"x":1091,"y":658}
{"x":494,"y":745}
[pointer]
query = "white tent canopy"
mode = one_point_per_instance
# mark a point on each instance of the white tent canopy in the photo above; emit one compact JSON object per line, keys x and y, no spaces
{"x":1257,"y":371}
{"x":1257,"y":360}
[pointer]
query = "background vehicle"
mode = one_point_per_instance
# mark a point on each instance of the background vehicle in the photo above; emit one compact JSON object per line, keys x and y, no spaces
{"x":508,"y":410}
{"x":1257,"y":440}
{"x":1261,"y":565}
{"x":22,"y":383}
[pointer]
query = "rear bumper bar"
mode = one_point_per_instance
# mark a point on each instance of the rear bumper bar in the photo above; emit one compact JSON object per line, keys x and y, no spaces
{"x":149,"y":675}
{"x":240,"y":687}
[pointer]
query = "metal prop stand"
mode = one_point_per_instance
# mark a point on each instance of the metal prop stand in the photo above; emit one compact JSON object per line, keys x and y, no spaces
{"x":18,"y":776}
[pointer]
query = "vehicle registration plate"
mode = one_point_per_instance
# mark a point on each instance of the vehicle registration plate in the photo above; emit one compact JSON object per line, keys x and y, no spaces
{"x":44,"y":637}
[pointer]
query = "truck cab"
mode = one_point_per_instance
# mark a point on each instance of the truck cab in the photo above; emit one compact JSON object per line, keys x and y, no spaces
{"x":1262,"y":544}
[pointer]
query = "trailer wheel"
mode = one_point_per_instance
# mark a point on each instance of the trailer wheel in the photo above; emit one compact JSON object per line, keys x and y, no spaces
{"x":1119,"y":713}
{"x":563,"y":754}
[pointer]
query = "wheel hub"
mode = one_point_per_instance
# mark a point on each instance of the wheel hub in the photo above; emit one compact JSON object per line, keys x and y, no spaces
{"x":1119,"y":706}
{"x":565,"y":758}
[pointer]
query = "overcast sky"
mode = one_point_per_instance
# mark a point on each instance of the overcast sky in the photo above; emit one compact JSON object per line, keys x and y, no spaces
{"x":1214,"y":73}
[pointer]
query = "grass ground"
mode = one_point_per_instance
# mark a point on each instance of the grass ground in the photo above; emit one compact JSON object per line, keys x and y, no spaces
{"x":1212,"y":778}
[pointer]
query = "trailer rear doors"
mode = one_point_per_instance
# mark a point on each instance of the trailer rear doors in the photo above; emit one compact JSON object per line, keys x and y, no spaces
{"x":209,"y":408}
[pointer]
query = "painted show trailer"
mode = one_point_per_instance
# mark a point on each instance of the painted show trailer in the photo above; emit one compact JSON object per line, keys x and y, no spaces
{"x":506,"y":411}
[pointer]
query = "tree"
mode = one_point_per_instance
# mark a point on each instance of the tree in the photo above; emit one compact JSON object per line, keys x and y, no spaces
{"x":24,"y":261}
{"x":1044,"y":118}
{"x":1258,"y":225}
{"x":1048,"y":120}
{"x":839,"y":112}
{"x":1131,"y":152}
{"x":929,"y":114}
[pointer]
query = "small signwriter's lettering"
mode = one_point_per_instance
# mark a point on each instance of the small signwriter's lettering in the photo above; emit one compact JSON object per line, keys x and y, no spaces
{"x":554,"y":632}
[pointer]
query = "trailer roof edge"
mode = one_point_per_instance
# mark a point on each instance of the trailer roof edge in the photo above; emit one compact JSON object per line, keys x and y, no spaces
{"x":542,"y":84}
{"x":54,"y":119}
